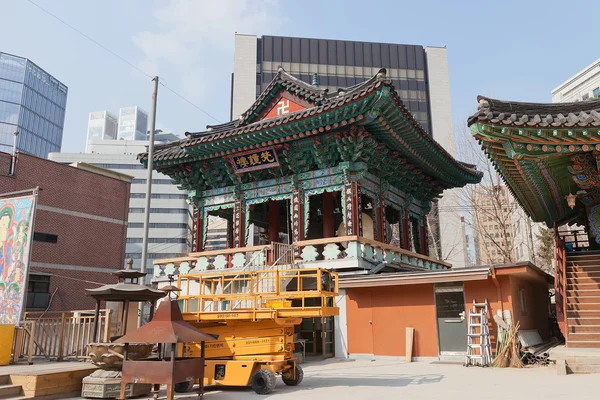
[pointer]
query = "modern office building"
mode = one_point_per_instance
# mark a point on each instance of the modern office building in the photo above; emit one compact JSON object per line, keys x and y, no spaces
{"x":133,"y":123}
{"x":582,"y":86}
{"x":170,"y":221}
{"x":420,"y":76}
{"x":102,"y":125}
{"x":33,"y":103}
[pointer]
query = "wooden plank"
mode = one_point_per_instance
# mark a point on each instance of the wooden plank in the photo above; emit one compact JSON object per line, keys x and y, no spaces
{"x":107,"y":325}
{"x":409,"y":343}
{"x":61,"y":336}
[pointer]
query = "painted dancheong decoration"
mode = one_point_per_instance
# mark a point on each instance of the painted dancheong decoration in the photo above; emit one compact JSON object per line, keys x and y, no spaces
{"x":16,"y":233}
{"x":299,"y":145}
{"x":325,"y":176}
{"x":549,"y":156}
{"x":545,"y":152}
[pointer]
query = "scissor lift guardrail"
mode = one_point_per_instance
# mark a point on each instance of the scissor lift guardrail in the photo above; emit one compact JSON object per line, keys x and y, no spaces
{"x":258,"y":295}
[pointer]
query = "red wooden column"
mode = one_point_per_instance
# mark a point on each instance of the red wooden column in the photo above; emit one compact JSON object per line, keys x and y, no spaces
{"x":423,"y":231}
{"x":273,"y":221}
{"x":406,"y":229}
{"x":328,"y":220}
{"x":199,"y":229}
{"x":297,"y":203}
{"x":239,"y":231}
{"x":380,"y":222}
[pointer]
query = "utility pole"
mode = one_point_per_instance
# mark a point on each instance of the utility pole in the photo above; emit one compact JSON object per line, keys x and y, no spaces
{"x":148,"y":192}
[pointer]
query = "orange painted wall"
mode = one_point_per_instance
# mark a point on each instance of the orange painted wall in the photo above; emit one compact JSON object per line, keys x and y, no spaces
{"x":391,"y":309}
{"x":482,"y":290}
{"x":536,"y":301}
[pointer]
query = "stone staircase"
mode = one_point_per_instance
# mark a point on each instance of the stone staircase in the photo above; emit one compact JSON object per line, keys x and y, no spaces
{"x":10,"y":391}
{"x":583,"y":299}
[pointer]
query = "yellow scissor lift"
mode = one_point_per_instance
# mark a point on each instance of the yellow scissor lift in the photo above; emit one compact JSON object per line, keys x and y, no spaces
{"x":254,"y":314}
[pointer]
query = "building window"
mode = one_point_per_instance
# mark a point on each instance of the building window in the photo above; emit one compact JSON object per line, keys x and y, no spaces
{"x":159,"y":225}
{"x":155,"y":181}
{"x":139,"y":210}
{"x":596,"y":93}
{"x":119,"y":166}
{"x":157,"y":240}
{"x":523,"y":300}
{"x":45,"y":237}
{"x":38,"y":291}
{"x":159,"y":196}
{"x":153,"y":256}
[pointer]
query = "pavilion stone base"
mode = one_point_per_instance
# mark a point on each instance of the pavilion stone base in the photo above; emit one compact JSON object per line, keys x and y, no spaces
{"x":103,"y":384}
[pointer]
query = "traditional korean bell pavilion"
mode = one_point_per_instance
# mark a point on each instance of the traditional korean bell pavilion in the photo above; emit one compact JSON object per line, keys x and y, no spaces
{"x":549,"y":156}
{"x":303,"y":163}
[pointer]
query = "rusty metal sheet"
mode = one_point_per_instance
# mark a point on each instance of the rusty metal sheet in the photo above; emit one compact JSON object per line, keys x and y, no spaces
{"x":167,"y":326}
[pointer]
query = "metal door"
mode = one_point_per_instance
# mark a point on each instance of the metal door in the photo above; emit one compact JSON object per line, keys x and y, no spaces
{"x":451,"y":322}
{"x":327,"y":334}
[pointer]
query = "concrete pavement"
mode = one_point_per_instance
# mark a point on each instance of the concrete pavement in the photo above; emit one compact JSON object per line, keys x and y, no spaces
{"x":379,"y":380}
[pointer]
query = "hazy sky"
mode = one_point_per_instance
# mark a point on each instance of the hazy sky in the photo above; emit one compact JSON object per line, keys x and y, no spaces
{"x":517,"y":50}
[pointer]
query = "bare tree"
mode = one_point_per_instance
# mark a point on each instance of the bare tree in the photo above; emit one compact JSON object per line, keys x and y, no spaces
{"x":497,"y":221}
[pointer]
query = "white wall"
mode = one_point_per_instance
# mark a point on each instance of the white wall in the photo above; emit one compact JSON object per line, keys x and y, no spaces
{"x":341,"y":327}
{"x":244,"y":74}
{"x":582,"y":83}
{"x":452,"y":245}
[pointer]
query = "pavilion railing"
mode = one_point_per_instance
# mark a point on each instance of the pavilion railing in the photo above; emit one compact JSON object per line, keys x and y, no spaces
{"x":61,"y":335}
{"x":372,"y":251}
{"x":281,"y":256}
{"x":575,"y":239}
{"x":275,"y":255}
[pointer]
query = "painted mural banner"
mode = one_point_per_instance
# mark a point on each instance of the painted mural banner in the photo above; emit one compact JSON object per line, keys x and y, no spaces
{"x":16,"y":224}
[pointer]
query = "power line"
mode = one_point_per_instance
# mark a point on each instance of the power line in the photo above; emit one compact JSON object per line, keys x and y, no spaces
{"x":120,"y":58}
{"x":89,"y":38}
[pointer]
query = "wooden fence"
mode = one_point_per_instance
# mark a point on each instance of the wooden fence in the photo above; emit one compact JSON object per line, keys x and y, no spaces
{"x":60,"y":335}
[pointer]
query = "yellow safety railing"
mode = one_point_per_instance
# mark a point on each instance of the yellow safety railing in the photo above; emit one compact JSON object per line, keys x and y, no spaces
{"x":218,"y":291}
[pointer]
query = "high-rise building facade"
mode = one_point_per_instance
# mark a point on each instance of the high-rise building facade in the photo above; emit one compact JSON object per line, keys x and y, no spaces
{"x":102,"y":125}
{"x":420,"y":76}
{"x":170,"y":218}
{"x":582,"y":86}
{"x":337,"y":63}
{"x":502,"y":230}
{"x":33,"y":103}
{"x":133,"y":123}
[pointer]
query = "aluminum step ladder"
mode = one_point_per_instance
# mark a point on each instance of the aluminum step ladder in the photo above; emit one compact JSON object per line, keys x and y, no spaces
{"x":479,"y":347}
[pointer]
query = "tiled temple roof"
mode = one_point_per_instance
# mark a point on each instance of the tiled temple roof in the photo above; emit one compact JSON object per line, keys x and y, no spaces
{"x":542,"y":115}
{"x":322,"y":102}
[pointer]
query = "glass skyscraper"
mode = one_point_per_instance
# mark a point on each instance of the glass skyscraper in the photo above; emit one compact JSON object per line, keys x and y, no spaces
{"x":133,"y":124}
{"x":32,"y":102}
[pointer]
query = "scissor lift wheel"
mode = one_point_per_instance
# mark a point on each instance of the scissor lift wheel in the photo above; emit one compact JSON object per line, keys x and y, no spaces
{"x":263,"y":381}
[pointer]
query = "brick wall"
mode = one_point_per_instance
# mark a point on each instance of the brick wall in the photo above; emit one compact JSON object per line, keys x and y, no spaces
{"x":87,"y":249}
